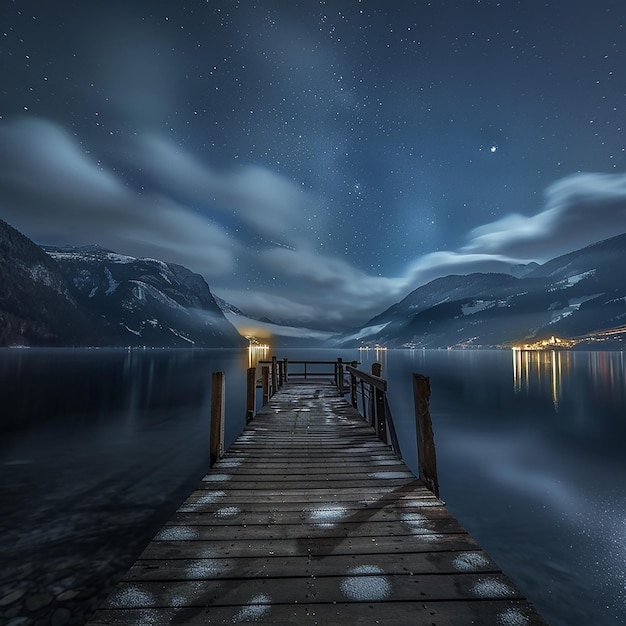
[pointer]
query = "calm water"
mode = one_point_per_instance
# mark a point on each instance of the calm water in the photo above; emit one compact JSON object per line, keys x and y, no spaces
{"x":99,"y":447}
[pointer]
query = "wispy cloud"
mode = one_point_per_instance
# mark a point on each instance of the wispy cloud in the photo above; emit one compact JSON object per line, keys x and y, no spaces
{"x":57,"y":193}
{"x":578,"y":210}
{"x":259,"y":198}
{"x":248,"y":229}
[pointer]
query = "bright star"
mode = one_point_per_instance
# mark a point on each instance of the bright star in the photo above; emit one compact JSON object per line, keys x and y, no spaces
{"x":493,"y":148}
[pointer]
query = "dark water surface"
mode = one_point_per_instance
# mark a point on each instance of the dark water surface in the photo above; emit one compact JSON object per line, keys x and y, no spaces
{"x":99,"y":447}
{"x":532,"y":460}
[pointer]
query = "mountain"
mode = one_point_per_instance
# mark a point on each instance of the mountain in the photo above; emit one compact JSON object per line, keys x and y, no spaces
{"x":36,"y":304}
{"x":147,"y":302}
{"x":94,"y":297}
{"x":574,"y":295}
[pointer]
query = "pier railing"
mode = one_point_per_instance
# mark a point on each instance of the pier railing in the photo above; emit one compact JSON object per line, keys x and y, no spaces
{"x":367,"y":392}
{"x":374,"y":405}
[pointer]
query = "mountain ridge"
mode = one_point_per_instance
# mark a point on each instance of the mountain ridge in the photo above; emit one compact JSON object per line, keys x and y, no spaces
{"x":572,"y":295}
{"x":92,"y":296}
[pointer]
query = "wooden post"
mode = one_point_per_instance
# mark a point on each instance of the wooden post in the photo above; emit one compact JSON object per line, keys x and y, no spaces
{"x":363,"y":399}
{"x":380,"y":423}
{"x":216,"y":445}
{"x":340,"y":375}
{"x":274,"y":377}
{"x":251,"y":394}
{"x":379,"y":403}
{"x":280,"y":373}
{"x":426,"y":456}
{"x":353,"y":390}
{"x":265,"y":381}
{"x":285,"y":369}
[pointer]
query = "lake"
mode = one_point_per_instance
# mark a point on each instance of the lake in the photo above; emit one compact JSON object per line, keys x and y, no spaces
{"x":99,"y":447}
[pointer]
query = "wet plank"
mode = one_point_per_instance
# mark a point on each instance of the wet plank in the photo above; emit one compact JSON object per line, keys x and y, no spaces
{"x":257,"y":609}
{"x":445,"y":562}
{"x":309,"y":518}
{"x":318,"y":547}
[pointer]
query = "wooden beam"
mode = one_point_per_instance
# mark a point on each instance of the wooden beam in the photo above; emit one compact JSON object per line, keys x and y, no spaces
{"x":426,"y":455}
{"x":216,"y":445}
{"x":265,"y":381}
{"x":250,"y":394}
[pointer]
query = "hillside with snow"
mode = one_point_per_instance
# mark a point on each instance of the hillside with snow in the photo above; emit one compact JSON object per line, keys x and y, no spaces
{"x":574,"y":295}
{"x":90,"y":296}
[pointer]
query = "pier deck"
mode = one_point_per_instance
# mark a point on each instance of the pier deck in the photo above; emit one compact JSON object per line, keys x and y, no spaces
{"x":310,"y":518}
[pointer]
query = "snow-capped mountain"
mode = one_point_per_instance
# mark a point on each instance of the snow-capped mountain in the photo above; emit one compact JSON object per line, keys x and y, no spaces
{"x":36,"y":305}
{"x":148,"y":301}
{"x":574,"y":295}
{"x":93,"y":296}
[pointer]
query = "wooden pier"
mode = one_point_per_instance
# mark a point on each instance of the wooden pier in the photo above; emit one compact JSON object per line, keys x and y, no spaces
{"x":310,"y":518}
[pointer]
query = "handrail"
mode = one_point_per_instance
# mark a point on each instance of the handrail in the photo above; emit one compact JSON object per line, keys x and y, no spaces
{"x":376,"y":381}
{"x":375,"y":403}
{"x":380,"y":416}
{"x":306,"y":373}
{"x":301,"y":362}
{"x":395,"y":444}
{"x":275,"y":372}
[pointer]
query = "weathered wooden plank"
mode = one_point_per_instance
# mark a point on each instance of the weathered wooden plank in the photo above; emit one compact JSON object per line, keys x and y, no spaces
{"x":324,"y":527}
{"x":315,"y":494}
{"x":360,"y":584}
{"x":321,"y":546}
{"x":485,"y":613}
{"x":213,"y":501}
{"x":370,"y":482}
{"x":251,"y":464}
{"x":410,"y":563}
{"x":323,"y":514}
{"x":296,"y":473}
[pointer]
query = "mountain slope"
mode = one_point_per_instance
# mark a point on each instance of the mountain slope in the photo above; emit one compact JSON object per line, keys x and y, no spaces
{"x":572,"y":295}
{"x":36,"y":307}
{"x":94,"y":297}
{"x":146,"y":301}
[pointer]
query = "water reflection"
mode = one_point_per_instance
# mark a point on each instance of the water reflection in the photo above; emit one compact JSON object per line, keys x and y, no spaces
{"x":256,"y":353}
{"x":608,"y":373}
{"x":369,"y":356}
{"x":601,"y":374}
{"x":541,"y":368}
{"x":530,"y":449}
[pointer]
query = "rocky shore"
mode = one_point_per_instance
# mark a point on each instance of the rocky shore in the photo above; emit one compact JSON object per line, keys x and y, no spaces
{"x":63,"y":553}
{"x":58,"y":574}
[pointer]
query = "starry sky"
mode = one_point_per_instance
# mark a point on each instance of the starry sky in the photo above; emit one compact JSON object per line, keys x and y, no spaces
{"x":315,"y":161}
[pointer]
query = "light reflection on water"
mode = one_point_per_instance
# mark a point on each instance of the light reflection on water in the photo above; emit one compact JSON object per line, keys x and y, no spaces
{"x":531,"y":459}
{"x":553,"y":368}
{"x":530,"y":446}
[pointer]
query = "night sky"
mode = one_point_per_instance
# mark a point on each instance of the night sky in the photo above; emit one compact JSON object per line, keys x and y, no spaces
{"x":315,"y":161}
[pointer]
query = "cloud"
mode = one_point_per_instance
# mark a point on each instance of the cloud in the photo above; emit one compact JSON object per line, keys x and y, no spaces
{"x":270,"y":305}
{"x":579,"y":210}
{"x":264,"y":330}
{"x":251,"y":224}
{"x":336,"y":291}
{"x":264,"y":201}
{"x":444,"y":263}
{"x":326,"y":272}
{"x":56,"y":193}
